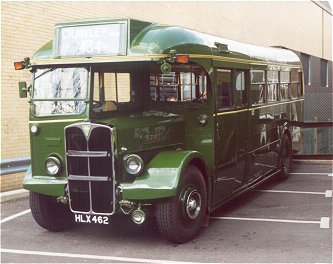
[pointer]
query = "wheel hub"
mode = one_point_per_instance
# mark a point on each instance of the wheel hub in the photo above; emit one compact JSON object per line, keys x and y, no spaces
{"x":193,"y":204}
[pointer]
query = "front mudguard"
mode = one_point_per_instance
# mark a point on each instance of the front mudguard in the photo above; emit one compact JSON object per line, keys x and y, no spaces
{"x":44,"y":184}
{"x":161,"y":176}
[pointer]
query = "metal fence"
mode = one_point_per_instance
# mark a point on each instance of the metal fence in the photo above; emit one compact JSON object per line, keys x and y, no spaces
{"x":316,"y":139}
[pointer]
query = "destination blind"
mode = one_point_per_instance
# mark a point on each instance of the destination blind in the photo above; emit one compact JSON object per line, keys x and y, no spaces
{"x":92,"y":40}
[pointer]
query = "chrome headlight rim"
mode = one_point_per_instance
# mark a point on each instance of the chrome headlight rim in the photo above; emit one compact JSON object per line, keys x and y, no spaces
{"x":135,"y":161}
{"x":53,"y":165}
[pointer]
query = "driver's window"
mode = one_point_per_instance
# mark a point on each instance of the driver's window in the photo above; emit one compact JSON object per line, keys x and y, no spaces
{"x":96,"y":87}
{"x":117,"y":87}
{"x":111,"y":88}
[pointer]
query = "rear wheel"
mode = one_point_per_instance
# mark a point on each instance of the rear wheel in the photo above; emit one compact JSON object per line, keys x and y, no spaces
{"x":180,"y":218}
{"x":285,"y":157}
{"x":50,"y":214}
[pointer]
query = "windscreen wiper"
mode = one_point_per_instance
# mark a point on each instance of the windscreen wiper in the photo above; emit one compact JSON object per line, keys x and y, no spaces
{"x":45,"y":72}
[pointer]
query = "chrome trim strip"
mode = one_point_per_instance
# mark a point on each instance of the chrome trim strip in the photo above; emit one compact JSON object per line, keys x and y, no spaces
{"x":87,"y":154}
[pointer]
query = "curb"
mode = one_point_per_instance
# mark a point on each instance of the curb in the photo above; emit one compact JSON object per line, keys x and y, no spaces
{"x":11,"y":195}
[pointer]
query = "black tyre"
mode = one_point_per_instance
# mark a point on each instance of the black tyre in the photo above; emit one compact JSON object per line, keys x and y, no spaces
{"x":285,"y":157}
{"x":180,"y":218}
{"x":50,"y":214}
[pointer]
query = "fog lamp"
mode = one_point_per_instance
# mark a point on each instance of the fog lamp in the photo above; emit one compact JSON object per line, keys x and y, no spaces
{"x":53,"y":165}
{"x":138,"y":216}
{"x":133,"y":164}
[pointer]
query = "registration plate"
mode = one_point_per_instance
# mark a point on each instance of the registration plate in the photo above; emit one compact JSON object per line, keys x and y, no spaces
{"x":92,"y":219}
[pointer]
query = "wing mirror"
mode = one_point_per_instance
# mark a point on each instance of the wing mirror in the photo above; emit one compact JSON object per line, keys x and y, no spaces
{"x":23,"y":89}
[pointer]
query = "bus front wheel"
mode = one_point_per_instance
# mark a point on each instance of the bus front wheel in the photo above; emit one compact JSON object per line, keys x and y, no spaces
{"x":180,"y":218}
{"x":50,"y":214}
{"x":285,"y":157}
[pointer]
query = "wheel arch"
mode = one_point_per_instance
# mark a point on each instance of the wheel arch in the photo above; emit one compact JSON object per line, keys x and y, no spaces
{"x":200,"y":164}
{"x":163,"y":174}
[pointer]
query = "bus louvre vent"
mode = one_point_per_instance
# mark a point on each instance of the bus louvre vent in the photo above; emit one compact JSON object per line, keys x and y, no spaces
{"x":90,"y":165}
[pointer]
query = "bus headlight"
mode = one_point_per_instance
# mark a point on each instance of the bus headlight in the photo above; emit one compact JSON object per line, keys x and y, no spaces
{"x":133,"y":164}
{"x":53,"y":165}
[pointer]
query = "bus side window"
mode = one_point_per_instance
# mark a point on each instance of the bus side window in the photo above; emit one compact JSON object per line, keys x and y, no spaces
{"x":272,"y":86}
{"x":257,"y":91}
{"x":224,"y":89}
{"x":284,"y":85}
{"x":240,"y":93}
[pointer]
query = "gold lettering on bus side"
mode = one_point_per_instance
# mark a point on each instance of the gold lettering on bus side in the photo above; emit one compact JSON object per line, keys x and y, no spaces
{"x":149,"y":135}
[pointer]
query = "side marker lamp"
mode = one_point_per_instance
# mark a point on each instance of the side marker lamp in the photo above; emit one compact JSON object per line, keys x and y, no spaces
{"x":19,"y":65}
{"x":182,"y":58}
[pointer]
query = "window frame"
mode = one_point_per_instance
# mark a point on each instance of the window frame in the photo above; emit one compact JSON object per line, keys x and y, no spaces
{"x":233,"y":91}
{"x":196,"y":73}
{"x":264,"y":83}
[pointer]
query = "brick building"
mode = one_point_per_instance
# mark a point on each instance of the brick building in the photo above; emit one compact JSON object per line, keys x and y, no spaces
{"x":302,"y":26}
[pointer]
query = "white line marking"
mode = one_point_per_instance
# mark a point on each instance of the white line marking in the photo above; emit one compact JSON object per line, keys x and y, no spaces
{"x":328,"y":193}
{"x":310,"y":173}
{"x":325,"y":222}
{"x":322,"y":222}
{"x":298,"y":192}
{"x":86,"y":256}
{"x":14,"y":216}
{"x":330,"y":175}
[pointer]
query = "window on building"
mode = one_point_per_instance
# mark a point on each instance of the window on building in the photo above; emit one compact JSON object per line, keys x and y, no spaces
{"x":295,"y":87}
{"x":305,"y":58}
{"x":324,"y":73}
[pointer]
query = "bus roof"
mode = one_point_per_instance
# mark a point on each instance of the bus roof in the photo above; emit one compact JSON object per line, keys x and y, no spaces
{"x":148,"y":41}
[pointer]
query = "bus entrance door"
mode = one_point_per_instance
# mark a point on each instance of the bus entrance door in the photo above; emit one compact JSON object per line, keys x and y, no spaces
{"x":231,"y":125}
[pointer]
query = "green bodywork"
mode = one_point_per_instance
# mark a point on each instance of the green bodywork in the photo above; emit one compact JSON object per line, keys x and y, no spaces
{"x":184,"y":140}
{"x":161,"y":177}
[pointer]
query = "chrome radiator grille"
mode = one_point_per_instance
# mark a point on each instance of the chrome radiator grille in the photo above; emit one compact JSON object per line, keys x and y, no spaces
{"x":90,"y":168}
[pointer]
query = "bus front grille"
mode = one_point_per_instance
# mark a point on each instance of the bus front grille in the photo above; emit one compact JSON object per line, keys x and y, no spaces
{"x":90,"y":168}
